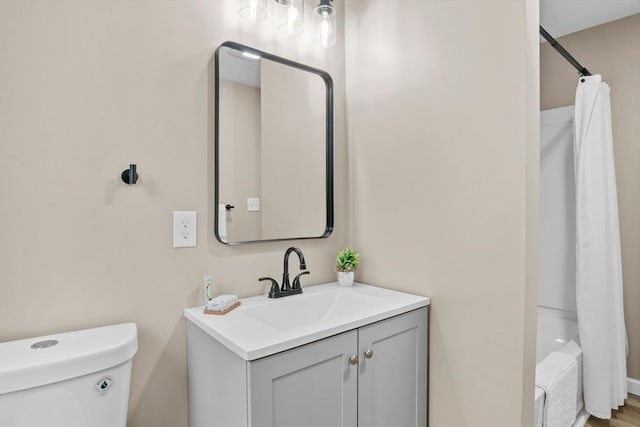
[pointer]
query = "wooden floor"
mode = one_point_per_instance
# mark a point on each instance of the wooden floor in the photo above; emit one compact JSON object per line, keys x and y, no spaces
{"x":627,"y":416}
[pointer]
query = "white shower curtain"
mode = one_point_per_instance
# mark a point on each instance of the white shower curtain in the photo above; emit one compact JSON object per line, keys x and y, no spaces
{"x":598,"y":257}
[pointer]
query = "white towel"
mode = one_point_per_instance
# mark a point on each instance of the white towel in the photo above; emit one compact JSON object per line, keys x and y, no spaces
{"x":557,"y":375}
{"x":222,"y":222}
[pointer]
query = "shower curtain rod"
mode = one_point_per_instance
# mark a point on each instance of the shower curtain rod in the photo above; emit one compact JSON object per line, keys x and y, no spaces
{"x":562,"y":51}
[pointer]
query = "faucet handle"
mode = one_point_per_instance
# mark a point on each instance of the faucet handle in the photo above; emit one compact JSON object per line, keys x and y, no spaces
{"x":275,"y":289}
{"x":296,"y":281}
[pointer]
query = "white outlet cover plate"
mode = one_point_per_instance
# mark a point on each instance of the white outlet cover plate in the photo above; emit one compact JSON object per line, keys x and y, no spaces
{"x":185,"y":229}
{"x":253,"y":204}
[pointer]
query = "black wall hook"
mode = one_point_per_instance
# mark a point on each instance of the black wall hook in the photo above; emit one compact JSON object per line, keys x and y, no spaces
{"x":129,"y":176}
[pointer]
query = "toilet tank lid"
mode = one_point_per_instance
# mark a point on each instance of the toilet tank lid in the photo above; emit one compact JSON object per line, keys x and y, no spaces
{"x":74,"y":354}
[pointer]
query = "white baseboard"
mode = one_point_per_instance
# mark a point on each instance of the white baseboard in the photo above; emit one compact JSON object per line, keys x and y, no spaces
{"x":634,"y":386}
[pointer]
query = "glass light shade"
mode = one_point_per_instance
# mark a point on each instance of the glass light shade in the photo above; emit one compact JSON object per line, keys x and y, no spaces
{"x":253,"y":10}
{"x":293,"y":15}
{"x":324,"y":25}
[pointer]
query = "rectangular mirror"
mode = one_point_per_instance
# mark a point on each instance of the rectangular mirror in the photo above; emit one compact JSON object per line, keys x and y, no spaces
{"x":273,"y":148}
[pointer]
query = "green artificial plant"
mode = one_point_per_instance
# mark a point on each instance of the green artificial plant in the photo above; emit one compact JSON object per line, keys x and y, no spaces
{"x":348,"y":260}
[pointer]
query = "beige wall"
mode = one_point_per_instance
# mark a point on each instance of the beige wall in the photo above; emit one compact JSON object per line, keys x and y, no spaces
{"x":442,"y":111}
{"x":293,"y":152}
{"x":532,"y":81}
{"x":85,"y":89}
{"x":611,"y":50}
{"x":272,"y":146}
{"x":239,"y":152}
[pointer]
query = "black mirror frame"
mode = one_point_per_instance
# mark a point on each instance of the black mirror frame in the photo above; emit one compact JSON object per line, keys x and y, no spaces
{"x":329,"y":140}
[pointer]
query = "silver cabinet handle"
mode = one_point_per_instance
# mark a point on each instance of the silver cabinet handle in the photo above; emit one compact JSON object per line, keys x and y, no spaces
{"x":353,"y":360}
{"x":368,"y":354}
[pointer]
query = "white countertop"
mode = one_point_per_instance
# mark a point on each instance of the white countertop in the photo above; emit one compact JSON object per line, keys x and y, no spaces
{"x":262,"y":326}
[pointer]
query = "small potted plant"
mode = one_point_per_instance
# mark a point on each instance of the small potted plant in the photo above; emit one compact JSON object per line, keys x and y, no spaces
{"x":347,"y":263}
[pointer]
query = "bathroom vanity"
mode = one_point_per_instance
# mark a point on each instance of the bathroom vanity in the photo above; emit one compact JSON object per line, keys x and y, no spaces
{"x":331,"y":356}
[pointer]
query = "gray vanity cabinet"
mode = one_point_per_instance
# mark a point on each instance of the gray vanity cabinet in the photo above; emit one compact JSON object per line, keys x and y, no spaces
{"x":372,"y":376}
{"x":392,"y":382}
{"x":317,"y":385}
{"x":312,"y":386}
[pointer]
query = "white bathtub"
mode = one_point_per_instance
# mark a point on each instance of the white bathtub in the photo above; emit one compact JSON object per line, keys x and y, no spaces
{"x":558,"y":331}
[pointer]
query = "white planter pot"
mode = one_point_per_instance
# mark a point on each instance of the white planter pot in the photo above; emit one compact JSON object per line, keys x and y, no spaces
{"x":345,"y":278}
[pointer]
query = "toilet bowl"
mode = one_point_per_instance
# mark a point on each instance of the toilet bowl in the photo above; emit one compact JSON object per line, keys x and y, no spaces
{"x":73,"y":379}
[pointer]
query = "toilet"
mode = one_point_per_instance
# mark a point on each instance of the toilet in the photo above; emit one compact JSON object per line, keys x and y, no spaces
{"x":73,"y":379}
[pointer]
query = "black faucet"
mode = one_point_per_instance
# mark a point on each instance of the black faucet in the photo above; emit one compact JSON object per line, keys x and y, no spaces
{"x":285,"y":275}
{"x":287,"y":289}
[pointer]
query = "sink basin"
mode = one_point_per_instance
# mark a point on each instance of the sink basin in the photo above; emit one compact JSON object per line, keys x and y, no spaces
{"x":301,"y":311}
{"x":262,"y":326}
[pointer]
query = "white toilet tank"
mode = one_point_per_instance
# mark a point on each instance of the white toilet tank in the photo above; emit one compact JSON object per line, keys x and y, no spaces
{"x":74,"y":379}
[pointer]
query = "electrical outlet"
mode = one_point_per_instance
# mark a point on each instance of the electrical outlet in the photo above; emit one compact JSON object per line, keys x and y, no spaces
{"x":253,"y":204}
{"x":184,"y":229}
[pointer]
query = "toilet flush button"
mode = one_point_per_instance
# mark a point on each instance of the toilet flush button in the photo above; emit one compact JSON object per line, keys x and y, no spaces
{"x":103,"y":384}
{"x":44,"y":344}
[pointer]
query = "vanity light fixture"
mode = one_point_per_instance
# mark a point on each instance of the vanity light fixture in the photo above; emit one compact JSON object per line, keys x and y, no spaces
{"x":324,"y":24}
{"x":253,"y":10}
{"x":291,"y":18}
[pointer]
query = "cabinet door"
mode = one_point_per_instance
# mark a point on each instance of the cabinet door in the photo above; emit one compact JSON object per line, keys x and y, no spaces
{"x":392,"y":387}
{"x":310,"y":386}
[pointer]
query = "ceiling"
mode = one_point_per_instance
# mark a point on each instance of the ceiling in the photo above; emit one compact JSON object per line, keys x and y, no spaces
{"x":561,"y":17}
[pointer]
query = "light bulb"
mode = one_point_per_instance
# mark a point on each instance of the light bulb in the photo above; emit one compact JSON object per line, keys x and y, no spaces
{"x":253,"y":10}
{"x":324,"y":23}
{"x":325,"y":33}
{"x":293,"y":15}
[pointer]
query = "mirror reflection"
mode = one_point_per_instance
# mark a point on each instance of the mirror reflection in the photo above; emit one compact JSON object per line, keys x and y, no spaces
{"x":273,"y":148}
